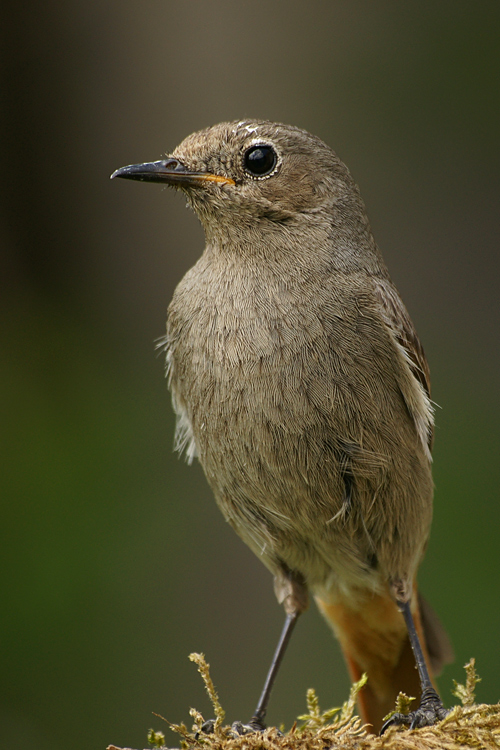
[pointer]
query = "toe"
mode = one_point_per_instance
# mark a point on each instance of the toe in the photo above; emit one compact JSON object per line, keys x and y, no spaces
{"x":425,"y":716}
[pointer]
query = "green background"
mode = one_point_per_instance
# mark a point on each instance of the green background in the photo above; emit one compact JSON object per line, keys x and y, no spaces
{"x":115,"y":561}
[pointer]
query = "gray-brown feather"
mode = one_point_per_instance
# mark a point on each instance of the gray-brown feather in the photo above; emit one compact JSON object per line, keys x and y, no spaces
{"x":295,"y":371}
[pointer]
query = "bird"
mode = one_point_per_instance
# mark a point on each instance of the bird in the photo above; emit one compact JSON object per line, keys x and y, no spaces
{"x":301,"y":386}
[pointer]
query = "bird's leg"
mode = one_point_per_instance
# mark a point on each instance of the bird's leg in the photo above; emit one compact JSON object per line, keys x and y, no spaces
{"x":431,"y":708}
{"x":256,"y":723}
{"x":291,"y":591}
{"x":257,"y":720}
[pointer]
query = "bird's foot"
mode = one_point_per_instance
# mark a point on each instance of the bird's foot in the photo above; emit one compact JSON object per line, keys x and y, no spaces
{"x":430,"y":711}
{"x":254,"y":725}
{"x":238,"y":729}
{"x":208,"y":727}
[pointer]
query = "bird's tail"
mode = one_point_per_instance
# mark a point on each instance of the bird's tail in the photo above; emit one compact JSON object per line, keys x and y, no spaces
{"x":374,"y":640}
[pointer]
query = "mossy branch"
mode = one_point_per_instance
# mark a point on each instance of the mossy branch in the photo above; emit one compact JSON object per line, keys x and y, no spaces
{"x":467,"y":726}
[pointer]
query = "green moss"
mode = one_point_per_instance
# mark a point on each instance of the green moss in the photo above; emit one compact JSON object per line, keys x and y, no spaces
{"x":468,"y":725}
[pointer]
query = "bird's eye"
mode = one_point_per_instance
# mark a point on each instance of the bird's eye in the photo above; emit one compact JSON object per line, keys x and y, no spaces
{"x":260,"y":161}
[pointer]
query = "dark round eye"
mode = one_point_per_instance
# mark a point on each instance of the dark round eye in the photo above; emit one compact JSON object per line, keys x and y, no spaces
{"x":260,"y":161}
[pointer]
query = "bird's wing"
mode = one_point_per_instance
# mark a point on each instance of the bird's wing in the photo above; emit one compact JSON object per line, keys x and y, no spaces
{"x":399,"y":323}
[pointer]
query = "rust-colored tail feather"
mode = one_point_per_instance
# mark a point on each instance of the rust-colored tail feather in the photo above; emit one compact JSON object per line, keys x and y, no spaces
{"x":374,"y":640}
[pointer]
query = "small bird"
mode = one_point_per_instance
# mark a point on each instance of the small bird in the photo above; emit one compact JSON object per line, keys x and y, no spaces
{"x":302,"y":388}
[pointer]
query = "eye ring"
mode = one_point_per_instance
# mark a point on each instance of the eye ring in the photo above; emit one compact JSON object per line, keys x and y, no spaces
{"x":260,"y":160}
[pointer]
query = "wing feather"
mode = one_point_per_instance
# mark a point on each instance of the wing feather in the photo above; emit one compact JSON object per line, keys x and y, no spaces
{"x":398,"y":321}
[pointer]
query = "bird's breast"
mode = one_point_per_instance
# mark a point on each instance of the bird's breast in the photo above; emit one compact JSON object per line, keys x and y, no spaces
{"x":277,"y":377}
{"x":241,"y":347}
{"x":290,"y":396}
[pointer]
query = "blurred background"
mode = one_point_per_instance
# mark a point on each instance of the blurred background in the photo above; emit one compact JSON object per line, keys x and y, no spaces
{"x":116,"y":563}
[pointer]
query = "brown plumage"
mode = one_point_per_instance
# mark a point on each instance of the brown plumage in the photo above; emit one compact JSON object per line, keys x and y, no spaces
{"x":300,"y":384}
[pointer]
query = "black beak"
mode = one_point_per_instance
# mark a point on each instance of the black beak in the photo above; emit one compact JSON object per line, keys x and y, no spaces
{"x":169,"y":171}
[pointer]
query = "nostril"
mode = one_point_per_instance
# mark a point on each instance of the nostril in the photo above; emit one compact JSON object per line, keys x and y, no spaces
{"x":173,"y":165}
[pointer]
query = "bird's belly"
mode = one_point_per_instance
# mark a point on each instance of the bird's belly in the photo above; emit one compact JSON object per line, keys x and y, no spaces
{"x":303,"y":443}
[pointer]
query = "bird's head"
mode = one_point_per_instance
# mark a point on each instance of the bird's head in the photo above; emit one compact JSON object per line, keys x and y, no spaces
{"x":254,"y":176}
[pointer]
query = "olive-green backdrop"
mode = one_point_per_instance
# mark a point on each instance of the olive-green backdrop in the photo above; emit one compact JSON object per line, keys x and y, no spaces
{"x":115,"y":562}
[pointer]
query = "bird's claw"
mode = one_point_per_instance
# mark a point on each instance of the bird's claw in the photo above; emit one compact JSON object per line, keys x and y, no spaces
{"x":430,"y":711}
{"x":238,"y":729}
{"x":208,"y":727}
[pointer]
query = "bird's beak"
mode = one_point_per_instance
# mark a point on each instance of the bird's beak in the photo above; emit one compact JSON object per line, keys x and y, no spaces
{"x":171,"y":172}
